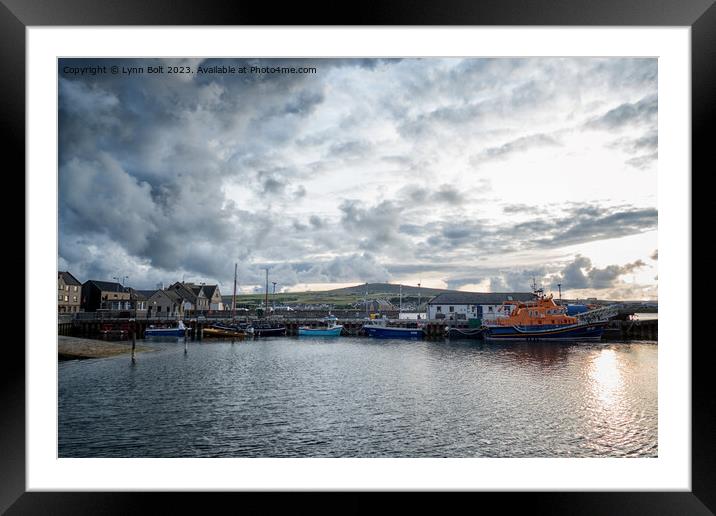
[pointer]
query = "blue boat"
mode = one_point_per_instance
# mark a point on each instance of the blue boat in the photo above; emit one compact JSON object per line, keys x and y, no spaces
{"x":579,"y":331}
{"x":320,"y":332}
{"x":331,"y":330}
{"x":380,"y":330}
{"x":179,"y":331}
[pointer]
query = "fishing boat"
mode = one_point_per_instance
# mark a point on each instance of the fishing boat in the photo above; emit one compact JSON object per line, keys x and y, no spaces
{"x":224,"y":332}
{"x":178,"y":331}
{"x":330,"y":330}
{"x":541,"y":319}
{"x":268,"y":329}
{"x":378,"y":329}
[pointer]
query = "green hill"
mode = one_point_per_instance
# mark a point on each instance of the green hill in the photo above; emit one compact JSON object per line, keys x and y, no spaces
{"x":342,"y":297}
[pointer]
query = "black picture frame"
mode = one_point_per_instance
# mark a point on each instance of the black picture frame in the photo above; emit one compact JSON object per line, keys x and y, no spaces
{"x":17,"y":15}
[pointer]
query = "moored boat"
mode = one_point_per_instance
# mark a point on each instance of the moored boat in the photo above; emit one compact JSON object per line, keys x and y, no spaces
{"x":380,"y":330}
{"x":330,"y":330}
{"x":268,"y":329}
{"x":224,"y":332}
{"x":178,"y":331}
{"x":541,"y":319}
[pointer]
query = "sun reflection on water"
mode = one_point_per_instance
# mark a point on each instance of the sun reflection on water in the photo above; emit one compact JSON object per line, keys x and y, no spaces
{"x":606,"y":379}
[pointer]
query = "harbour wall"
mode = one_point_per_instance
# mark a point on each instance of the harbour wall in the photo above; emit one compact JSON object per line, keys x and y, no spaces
{"x":123,"y":328}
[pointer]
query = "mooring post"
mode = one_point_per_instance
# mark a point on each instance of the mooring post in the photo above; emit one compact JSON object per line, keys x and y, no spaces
{"x":134,"y":340}
{"x":185,"y":342}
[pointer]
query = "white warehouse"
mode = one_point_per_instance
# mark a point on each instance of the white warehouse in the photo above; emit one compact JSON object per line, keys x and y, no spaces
{"x":472,"y":305}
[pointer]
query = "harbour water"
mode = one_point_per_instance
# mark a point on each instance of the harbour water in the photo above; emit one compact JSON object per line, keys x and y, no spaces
{"x":358,"y":397}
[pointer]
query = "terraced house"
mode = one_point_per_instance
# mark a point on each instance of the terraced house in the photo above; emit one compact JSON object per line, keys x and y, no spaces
{"x":69,"y":293}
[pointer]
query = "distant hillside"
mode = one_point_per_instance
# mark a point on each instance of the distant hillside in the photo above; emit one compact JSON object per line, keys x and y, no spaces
{"x":341,"y":296}
{"x":387,"y":288}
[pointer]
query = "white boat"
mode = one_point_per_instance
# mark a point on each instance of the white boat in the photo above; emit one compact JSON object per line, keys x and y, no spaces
{"x":331,"y":330}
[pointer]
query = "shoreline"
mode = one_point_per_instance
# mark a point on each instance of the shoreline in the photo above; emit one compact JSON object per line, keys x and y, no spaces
{"x":76,"y":348}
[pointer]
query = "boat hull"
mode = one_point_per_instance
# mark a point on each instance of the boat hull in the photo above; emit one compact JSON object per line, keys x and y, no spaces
{"x":164,"y":332}
{"x":384,"y":332}
{"x":318,"y":332}
{"x":223,"y":333}
{"x":591,"y":331}
{"x":466,"y":333}
{"x":270,"y":332}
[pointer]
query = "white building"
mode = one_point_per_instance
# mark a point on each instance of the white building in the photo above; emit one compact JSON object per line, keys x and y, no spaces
{"x":472,"y":305}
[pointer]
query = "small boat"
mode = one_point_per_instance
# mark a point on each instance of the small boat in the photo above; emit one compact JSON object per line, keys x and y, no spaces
{"x":331,"y":330}
{"x":268,"y":329}
{"x":378,"y":329}
{"x":179,"y":331}
{"x":224,"y":332}
{"x":542,"y":319}
{"x":466,"y":333}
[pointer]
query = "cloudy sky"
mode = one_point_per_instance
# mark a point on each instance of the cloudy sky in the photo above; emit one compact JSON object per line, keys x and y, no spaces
{"x":474,"y":174}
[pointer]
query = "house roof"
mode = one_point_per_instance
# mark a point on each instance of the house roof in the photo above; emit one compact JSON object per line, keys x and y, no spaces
{"x":479,"y":298}
{"x":209,"y":290}
{"x":68,"y":278}
{"x":144,"y":294}
{"x":184,"y":291}
{"x":174,"y":295}
{"x":106,"y":286}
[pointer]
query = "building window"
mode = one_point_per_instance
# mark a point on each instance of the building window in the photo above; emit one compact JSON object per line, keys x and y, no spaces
{"x":67,"y":298}
{"x":67,"y":288}
{"x":439,"y":309}
{"x":75,"y":288}
{"x":59,"y":297}
{"x":452,"y":308}
{"x":74,"y":299}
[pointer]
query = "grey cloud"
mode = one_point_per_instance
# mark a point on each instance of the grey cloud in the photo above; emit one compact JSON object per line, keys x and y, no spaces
{"x":145,"y":165}
{"x":443,"y":194}
{"x":377,"y":225}
{"x":644,"y":161}
{"x":647,"y":142}
{"x":354,"y":149}
{"x":519,"y":145}
{"x":643,"y":111}
{"x":580,"y":274}
{"x":316,"y":221}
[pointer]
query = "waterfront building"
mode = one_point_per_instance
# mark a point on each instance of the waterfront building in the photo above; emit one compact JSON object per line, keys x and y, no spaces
{"x":193,"y":295}
{"x":105,"y":295}
{"x":472,"y":305}
{"x":214,"y":296}
{"x":165,"y":303}
{"x":69,"y":293}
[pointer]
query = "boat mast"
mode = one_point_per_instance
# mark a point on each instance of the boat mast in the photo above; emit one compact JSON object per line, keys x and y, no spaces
{"x":400,"y":306}
{"x":233,"y":299}
{"x":266,"y":302}
{"x":418,"y":310}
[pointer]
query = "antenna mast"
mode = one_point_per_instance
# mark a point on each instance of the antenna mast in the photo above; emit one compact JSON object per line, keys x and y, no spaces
{"x":233,"y":299}
{"x":266,"y":297}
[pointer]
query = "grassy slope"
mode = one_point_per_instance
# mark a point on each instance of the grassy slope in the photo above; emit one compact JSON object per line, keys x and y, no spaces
{"x":342,"y":296}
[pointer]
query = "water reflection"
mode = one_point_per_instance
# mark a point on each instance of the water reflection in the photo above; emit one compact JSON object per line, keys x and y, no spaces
{"x":354,"y":397}
{"x":605,"y":377}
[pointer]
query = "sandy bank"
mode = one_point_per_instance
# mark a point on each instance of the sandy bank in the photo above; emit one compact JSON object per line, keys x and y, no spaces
{"x":73,"y":348}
